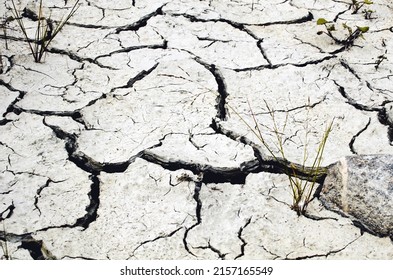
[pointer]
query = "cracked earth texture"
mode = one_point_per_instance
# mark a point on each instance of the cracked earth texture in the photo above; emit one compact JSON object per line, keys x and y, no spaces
{"x":121,"y":143}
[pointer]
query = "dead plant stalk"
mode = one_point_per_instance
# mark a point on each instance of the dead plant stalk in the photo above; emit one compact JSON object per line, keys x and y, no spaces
{"x":45,"y":32}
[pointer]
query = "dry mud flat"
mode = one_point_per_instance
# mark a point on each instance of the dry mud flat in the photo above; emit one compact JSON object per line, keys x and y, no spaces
{"x":118,"y":145}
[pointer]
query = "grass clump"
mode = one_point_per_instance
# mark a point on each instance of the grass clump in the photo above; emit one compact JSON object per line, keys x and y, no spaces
{"x":302,"y":179}
{"x":46,"y":29}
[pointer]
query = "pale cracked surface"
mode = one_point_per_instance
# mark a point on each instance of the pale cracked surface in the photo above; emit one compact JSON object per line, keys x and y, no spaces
{"x":124,"y":142}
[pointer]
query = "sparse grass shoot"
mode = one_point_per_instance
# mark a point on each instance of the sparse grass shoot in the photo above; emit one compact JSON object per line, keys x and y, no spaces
{"x":46,"y":29}
{"x":302,"y":186}
{"x":353,"y":34}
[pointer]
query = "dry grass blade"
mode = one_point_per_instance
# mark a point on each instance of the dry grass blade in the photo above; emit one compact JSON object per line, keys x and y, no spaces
{"x":303,"y":190}
{"x":45,"y":32}
{"x":317,"y":162}
{"x":4,"y":27}
{"x":19,"y":20}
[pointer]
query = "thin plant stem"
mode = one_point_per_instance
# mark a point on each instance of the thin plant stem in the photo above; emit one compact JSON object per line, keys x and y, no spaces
{"x":258,"y":135}
{"x":301,"y":189}
{"x":4,"y":26}
{"x":44,"y":33}
{"x":4,"y":246}
{"x":19,"y":20}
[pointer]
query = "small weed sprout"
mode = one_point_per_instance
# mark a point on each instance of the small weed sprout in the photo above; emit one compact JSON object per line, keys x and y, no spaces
{"x":301,"y":189}
{"x":45,"y":31}
{"x":352,"y":34}
{"x":357,"y":5}
{"x":367,"y":13}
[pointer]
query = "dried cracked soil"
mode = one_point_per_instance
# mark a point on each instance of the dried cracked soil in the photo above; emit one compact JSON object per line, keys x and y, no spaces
{"x":122,"y":144}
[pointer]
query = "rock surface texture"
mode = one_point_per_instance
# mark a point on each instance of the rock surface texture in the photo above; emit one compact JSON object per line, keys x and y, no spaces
{"x":129,"y":139}
{"x":362,"y":187}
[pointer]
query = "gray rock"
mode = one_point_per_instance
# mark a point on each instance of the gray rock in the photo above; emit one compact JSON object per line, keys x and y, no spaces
{"x":361,"y":187}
